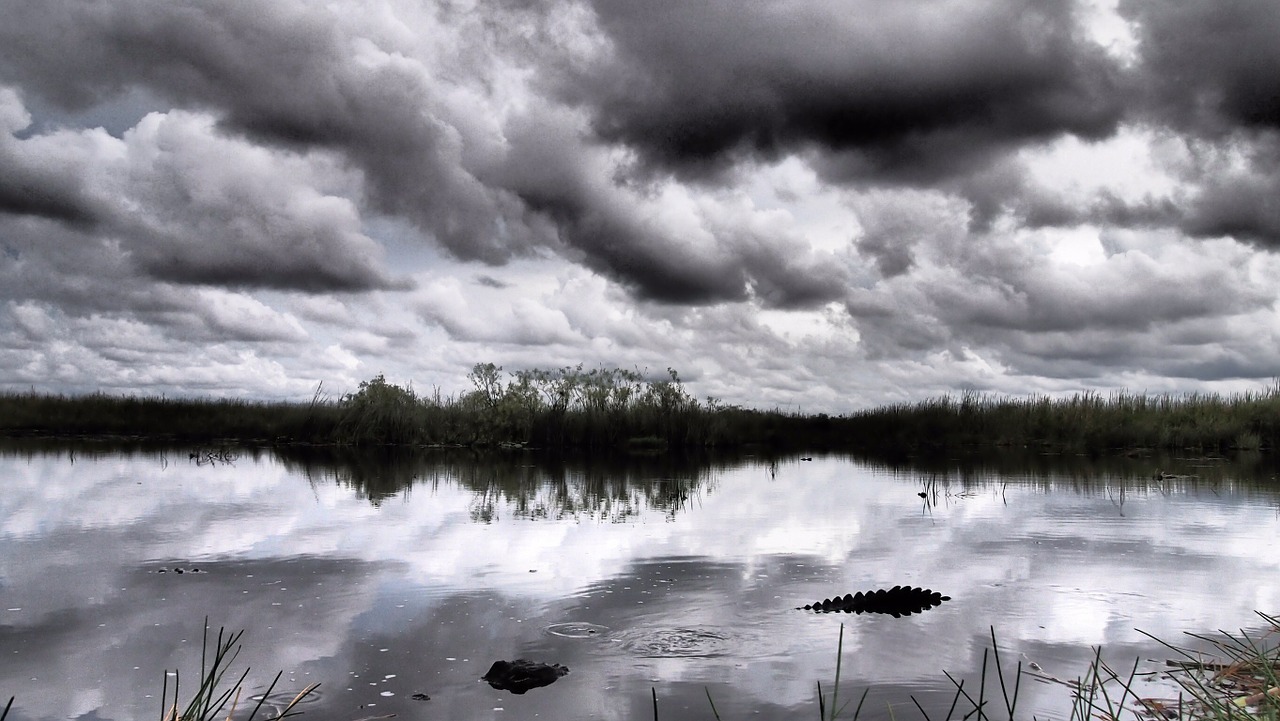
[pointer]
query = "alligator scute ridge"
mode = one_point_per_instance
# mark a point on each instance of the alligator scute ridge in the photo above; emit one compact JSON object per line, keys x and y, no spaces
{"x":897,"y":602}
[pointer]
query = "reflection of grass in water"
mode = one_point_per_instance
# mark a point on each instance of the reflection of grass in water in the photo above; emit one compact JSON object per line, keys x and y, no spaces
{"x":209,"y":700}
{"x":1244,"y":687}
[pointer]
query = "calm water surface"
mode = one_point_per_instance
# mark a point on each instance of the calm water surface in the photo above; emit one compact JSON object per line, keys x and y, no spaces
{"x":385,"y":577}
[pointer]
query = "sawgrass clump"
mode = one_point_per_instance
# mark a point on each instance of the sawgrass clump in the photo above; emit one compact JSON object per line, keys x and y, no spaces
{"x":1081,"y":422}
{"x":1239,"y":684}
{"x":212,"y":696}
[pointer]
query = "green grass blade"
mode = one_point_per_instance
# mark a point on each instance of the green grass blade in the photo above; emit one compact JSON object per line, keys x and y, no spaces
{"x":262,"y":699}
{"x":982,"y":688}
{"x":922,"y":711}
{"x":288,"y":710}
{"x":977,"y":705}
{"x":713,"y":703}
{"x":204,"y":645}
{"x":1010,"y":703}
{"x":835,"y":690}
{"x":176,"y":678}
{"x":955,"y":700}
{"x":856,"y":711}
{"x":164,"y":695}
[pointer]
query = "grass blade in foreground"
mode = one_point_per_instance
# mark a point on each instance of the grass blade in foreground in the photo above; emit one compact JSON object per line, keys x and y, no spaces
{"x":1245,"y":678}
{"x":208,"y":702}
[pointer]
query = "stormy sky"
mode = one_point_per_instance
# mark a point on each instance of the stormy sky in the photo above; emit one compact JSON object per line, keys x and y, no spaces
{"x":802,"y":204}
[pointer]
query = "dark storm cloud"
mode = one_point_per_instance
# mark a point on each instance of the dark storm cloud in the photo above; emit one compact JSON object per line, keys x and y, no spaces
{"x":181,"y":203}
{"x":26,"y":191}
{"x":1212,"y":69}
{"x":616,"y":235}
{"x":286,"y":76}
{"x":1132,"y":314}
{"x":278,"y":72}
{"x":489,"y":281}
{"x":1007,"y":190}
{"x":1210,"y":65}
{"x":914,"y":90}
{"x":615,"y":245}
{"x":1244,"y":210}
{"x":1130,"y":300}
{"x":1240,"y":202}
{"x":29,"y":187}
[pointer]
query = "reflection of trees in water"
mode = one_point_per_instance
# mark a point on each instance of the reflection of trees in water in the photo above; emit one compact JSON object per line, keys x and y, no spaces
{"x":525,"y":484}
{"x":601,"y":493}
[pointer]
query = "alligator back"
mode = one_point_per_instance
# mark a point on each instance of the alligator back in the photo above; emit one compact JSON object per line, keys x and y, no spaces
{"x":897,"y":602}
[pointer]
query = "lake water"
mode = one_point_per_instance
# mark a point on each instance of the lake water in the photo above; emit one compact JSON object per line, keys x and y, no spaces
{"x":387,"y":576}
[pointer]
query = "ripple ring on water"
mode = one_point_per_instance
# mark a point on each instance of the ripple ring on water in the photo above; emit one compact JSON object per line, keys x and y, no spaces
{"x":576,"y":629}
{"x":679,"y":643}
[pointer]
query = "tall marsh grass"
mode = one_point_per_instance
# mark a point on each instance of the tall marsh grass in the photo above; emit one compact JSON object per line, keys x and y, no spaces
{"x":212,"y":696}
{"x":1082,"y":422}
{"x":1234,"y":678}
{"x":1231,"y":677}
{"x":614,"y":408}
{"x":567,"y":407}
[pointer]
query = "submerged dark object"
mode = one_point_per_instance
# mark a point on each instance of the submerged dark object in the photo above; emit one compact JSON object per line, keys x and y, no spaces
{"x":897,"y":602}
{"x":520,"y":675}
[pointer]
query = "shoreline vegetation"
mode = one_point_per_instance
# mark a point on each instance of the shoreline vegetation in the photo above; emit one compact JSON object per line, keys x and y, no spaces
{"x":608,"y":409}
{"x":1230,"y":677}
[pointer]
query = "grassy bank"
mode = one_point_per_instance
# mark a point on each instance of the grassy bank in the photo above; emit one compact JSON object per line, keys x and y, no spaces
{"x":1083,"y":422}
{"x":612,"y":408}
